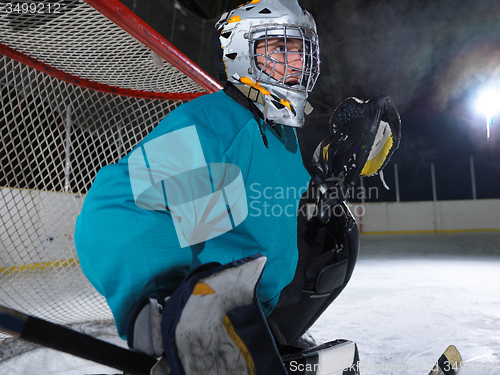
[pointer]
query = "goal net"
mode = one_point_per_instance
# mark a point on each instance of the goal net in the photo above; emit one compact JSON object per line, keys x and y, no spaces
{"x":81,"y":84}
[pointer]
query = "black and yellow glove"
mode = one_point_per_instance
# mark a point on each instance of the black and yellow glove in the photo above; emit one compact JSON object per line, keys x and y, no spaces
{"x":364,"y":135}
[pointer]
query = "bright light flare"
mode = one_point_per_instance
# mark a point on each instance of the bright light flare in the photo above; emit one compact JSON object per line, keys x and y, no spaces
{"x":488,"y":104}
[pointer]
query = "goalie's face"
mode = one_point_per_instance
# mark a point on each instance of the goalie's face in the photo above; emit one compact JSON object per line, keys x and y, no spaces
{"x":280,"y":59}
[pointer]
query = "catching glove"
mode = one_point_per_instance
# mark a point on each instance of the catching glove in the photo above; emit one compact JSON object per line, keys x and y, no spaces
{"x":364,"y":135}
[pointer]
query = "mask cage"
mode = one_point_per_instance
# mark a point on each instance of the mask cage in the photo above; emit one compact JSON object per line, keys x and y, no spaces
{"x":286,"y":66}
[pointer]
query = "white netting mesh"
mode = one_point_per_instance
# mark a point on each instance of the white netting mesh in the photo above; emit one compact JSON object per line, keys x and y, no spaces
{"x":47,"y":163}
{"x":54,"y":137}
{"x":81,"y":41}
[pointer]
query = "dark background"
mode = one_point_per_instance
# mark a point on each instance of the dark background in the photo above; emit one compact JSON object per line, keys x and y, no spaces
{"x":431,"y":57}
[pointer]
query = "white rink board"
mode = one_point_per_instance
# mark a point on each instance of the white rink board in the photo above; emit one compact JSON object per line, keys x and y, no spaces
{"x":38,"y":226}
{"x":429,"y":216}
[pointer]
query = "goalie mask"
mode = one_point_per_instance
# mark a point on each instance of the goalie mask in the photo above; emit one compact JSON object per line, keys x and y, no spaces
{"x":269,"y":50}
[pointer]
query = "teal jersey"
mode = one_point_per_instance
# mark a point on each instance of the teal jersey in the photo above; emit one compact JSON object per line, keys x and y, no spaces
{"x":129,"y":251}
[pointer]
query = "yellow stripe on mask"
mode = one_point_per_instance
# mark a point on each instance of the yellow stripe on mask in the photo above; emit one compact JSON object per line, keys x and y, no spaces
{"x":234,"y":19}
{"x":286,"y":103}
{"x":249,"y":2}
{"x":249,"y":82}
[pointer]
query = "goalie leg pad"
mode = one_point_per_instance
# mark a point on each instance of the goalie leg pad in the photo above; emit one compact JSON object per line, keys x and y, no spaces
{"x":144,"y":327}
{"x":339,"y":357}
{"x":327,"y":256}
{"x":213,"y":324}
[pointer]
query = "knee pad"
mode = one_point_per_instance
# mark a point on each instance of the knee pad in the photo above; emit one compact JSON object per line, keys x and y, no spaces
{"x":327,"y":256}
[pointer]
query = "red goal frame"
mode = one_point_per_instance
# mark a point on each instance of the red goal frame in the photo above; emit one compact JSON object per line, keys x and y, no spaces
{"x":119,"y":14}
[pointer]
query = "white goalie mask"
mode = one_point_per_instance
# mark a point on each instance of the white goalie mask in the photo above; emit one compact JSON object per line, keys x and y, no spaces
{"x":270,"y":50}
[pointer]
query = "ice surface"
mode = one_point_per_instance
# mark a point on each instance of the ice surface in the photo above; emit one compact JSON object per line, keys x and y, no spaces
{"x":412,"y":296}
{"x":409,"y":298}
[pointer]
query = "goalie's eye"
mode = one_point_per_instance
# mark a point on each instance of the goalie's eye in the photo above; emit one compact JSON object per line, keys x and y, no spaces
{"x":279,"y":49}
{"x":278,"y":45}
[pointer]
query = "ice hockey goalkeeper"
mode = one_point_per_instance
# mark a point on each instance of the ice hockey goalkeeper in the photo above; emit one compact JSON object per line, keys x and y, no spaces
{"x":199,"y":238}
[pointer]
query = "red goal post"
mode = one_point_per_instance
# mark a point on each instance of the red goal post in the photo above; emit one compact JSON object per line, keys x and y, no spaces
{"x":79,"y":89}
{"x":131,"y":24}
{"x":128,"y":21}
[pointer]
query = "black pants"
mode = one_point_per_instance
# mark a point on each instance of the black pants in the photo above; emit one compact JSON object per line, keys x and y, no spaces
{"x":327,"y":256}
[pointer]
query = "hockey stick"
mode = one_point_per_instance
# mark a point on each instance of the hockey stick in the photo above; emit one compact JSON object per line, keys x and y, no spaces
{"x":81,"y":345}
{"x":66,"y":340}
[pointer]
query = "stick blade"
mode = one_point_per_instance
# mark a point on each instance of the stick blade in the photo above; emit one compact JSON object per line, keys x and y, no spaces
{"x":449,"y":362}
